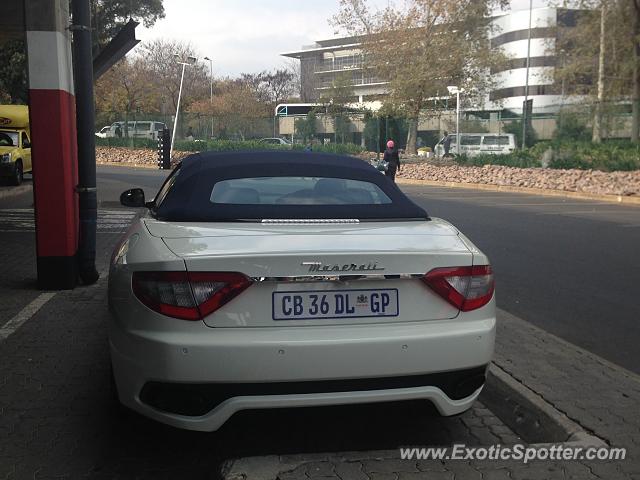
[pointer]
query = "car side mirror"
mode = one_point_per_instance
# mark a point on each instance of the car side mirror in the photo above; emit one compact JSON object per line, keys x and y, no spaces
{"x":133,"y":198}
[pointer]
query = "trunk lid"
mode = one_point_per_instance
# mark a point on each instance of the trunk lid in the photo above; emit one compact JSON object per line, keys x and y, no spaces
{"x":291,"y":260}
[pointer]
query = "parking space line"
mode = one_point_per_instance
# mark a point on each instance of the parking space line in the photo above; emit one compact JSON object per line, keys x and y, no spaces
{"x":25,"y":314}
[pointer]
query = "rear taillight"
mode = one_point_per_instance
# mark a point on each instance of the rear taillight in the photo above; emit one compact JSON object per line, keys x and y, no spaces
{"x":187,"y":295}
{"x":466,"y":288}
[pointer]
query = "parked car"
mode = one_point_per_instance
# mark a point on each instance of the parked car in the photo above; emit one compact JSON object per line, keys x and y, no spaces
{"x":290,"y":279}
{"x":138,"y":129}
{"x":103,"y":132}
{"x":472,"y":144}
{"x":275,"y":141}
{"x":15,"y":143}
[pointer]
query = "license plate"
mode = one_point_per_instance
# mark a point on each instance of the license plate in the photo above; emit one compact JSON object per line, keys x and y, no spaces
{"x":309,"y":305}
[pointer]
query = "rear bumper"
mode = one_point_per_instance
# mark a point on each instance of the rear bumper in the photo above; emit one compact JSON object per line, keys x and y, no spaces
{"x":198,"y":377}
{"x":197,"y":399}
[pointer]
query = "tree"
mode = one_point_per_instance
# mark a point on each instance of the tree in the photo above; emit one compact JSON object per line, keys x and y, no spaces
{"x":599,"y":57}
{"x":125,"y":88}
{"x":571,"y":126}
{"x":423,"y":47}
{"x":635,"y":70}
{"x":161,"y":59}
{"x":515,"y":127}
{"x":279,"y":85}
{"x":13,"y":71}
{"x":335,"y":102}
{"x":235,"y":107}
{"x":371,"y":132}
{"x":108,"y":16}
{"x":307,"y":127}
{"x":635,"y":96}
{"x":294,"y":67}
{"x":270,"y":87}
{"x":255,"y":82}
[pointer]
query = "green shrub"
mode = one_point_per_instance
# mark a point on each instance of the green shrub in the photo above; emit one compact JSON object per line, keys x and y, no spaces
{"x":519,"y":158}
{"x":608,"y":157}
{"x":228,"y":146}
{"x":571,"y":127}
{"x":126,"y":142}
{"x":339,"y":148}
{"x":515,"y":127}
{"x":224,"y":146}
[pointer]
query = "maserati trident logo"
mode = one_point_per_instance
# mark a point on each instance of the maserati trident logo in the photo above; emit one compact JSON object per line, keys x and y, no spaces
{"x":319,"y":267}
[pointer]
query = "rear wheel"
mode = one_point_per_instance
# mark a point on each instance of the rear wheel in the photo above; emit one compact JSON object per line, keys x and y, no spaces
{"x":18,"y":175}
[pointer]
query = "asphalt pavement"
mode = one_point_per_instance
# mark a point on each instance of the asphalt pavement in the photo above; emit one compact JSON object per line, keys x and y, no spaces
{"x":565,"y":265}
{"x":568,"y":266}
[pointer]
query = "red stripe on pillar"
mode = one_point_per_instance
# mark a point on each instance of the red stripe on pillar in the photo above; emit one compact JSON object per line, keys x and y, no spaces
{"x":54,"y":151}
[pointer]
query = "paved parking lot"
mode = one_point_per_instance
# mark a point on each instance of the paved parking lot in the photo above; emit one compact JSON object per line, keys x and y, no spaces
{"x":563,"y":264}
{"x":58,"y":420}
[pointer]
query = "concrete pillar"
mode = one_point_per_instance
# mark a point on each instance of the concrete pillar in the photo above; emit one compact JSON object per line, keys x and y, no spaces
{"x":54,"y":141}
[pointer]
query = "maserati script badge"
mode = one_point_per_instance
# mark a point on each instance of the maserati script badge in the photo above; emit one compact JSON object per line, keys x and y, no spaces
{"x":316,"y":267}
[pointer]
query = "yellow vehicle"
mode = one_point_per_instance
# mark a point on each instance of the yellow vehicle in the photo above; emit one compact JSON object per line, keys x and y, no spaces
{"x":15,"y":142}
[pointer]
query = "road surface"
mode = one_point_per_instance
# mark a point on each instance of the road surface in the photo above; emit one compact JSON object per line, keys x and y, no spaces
{"x":568,"y":266}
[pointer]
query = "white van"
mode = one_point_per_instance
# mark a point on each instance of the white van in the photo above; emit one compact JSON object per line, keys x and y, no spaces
{"x":472,"y":144}
{"x":138,"y":129}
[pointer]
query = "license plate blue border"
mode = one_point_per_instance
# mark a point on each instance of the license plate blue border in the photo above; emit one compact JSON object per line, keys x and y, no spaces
{"x":273,"y":313}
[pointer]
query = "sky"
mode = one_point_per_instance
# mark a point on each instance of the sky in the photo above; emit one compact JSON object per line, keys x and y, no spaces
{"x":244,"y":35}
{"x":247,"y":36}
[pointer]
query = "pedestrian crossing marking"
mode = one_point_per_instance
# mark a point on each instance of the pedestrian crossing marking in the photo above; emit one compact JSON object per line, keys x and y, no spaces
{"x":22,"y":220}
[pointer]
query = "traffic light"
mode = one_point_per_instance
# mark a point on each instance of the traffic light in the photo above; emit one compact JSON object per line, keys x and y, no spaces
{"x":164,"y":150}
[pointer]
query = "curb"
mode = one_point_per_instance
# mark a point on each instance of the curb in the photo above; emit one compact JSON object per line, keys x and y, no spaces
{"x":130,"y":165}
{"x":536,"y":421}
{"x":14,"y":191}
{"x":528,"y":414}
{"x":619,"y":199}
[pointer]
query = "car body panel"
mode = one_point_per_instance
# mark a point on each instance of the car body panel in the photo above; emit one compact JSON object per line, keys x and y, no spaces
{"x":14,"y":119}
{"x":16,"y":152}
{"x":244,"y":342}
{"x":288,"y":252}
{"x":473,"y":144}
{"x":192,"y":352}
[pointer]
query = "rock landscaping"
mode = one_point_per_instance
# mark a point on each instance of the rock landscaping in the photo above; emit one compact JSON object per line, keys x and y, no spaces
{"x":586,"y":181}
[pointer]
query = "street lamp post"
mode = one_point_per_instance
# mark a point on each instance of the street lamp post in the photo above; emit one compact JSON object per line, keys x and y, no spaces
{"x":192,"y":60}
{"x":211,"y":87}
{"x":457,"y":91}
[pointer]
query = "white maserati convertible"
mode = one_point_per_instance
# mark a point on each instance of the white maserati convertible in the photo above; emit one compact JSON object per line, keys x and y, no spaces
{"x":285,"y":279}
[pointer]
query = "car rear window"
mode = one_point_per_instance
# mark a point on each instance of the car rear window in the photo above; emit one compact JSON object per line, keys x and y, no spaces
{"x":501,"y":140}
{"x":266,"y":185}
{"x":470,"y":140}
{"x":297,"y":191}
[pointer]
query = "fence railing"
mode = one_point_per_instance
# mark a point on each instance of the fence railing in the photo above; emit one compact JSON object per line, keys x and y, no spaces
{"x":351,"y":128}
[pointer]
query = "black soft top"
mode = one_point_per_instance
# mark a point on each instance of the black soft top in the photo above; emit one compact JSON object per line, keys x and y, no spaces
{"x":188,"y":200}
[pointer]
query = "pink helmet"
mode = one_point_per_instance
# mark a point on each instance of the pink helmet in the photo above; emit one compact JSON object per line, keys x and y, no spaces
{"x":390,"y":144}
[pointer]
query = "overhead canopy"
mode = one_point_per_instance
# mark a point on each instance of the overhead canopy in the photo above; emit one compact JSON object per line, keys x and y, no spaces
{"x":11,"y":20}
{"x":117,"y":48}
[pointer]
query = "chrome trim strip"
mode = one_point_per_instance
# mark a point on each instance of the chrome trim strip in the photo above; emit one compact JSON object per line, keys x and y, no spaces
{"x":336,"y":278}
{"x":308,"y":221}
